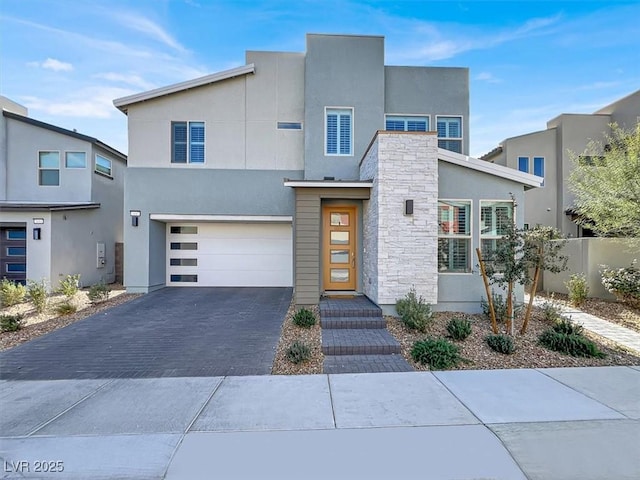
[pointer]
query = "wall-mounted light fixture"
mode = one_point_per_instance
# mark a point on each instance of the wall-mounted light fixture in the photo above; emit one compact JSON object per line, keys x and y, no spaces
{"x":135,"y":216}
{"x":38,"y":221}
{"x":408,"y":207}
{"x":37,"y":233}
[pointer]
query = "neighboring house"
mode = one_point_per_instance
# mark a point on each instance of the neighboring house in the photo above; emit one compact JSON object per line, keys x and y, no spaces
{"x":548,"y":153}
{"x":325,"y":170}
{"x":61,"y":201}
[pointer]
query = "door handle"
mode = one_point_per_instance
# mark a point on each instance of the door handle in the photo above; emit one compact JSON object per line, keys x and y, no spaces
{"x":353,"y":259}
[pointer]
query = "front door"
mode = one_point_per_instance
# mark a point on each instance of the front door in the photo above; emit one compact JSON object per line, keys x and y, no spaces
{"x":339,"y":247}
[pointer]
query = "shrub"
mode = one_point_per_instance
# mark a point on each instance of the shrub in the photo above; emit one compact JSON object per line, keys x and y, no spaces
{"x":578,"y":289}
{"x":11,"y":323}
{"x":499,"y":307}
{"x":11,"y":293}
{"x":501,"y":343}
{"x":551,"y":310}
{"x":98,"y":293}
{"x":304,"y":318}
{"x":459,"y":328}
{"x":414,"y":312}
{"x":624,"y":283}
{"x":69,"y":286}
{"x":566,"y":326}
{"x":298,"y":352}
{"x":65,"y":308}
{"x":37,"y":292}
{"x":438,"y":353}
{"x":575,"y":345}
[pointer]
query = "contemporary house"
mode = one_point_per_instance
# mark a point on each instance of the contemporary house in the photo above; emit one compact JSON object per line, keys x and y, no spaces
{"x":547,"y":153}
{"x":61,"y":201}
{"x":326,"y":171}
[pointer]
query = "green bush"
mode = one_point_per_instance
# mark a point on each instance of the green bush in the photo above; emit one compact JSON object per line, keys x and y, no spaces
{"x":69,"y":286}
{"x":304,"y":318}
{"x":624,"y":283}
{"x":578,"y":289}
{"x":551,"y":310}
{"x":38,"y":296}
{"x":499,"y":307}
{"x":574,"y":345}
{"x":11,"y":323}
{"x":98,"y":293}
{"x":438,"y":353}
{"x":566,"y":326}
{"x":65,"y":308}
{"x":501,"y":343}
{"x":459,"y":328}
{"x":414,"y":312}
{"x":11,"y":293}
{"x":298,"y":352}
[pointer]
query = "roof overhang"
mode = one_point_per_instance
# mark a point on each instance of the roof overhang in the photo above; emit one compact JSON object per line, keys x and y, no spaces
{"x":328,"y":183}
{"x":176,"y":217}
{"x":43,"y":207}
{"x":124,"y":102}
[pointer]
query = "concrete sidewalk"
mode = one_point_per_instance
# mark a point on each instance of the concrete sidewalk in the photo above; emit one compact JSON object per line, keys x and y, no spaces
{"x":565,"y":423}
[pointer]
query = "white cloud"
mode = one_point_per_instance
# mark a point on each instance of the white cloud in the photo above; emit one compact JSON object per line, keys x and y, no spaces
{"x":487,"y":77}
{"x":129,"y":79}
{"x":52,"y":64}
{"x":149,"y":28}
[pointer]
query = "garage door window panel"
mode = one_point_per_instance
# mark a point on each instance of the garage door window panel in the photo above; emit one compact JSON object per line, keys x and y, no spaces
{"x":184,"y":245}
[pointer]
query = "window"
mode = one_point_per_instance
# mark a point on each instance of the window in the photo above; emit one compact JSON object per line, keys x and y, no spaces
{"x":184,"y":230}
{"x":450,"y":133}
{"x":184,"y":278}
{"x":454,"y":236}
{"x":49,"y":168}
{"x":19,"y":234}
{"x":75,"y":160}
{"x":538,"y":167}
{"x":103,"y":165}
{"x":16,"y":267}
{"x":523,"y":164}
{"x":495,"y":220}
{"x":183,"y":262}
{"x":187,"y":142}
{"x":184,"y":245}
{"x":406,"y":124}
{"x":339,"y":127}
{"x":289,"y":126}
{"x":16,"y":251}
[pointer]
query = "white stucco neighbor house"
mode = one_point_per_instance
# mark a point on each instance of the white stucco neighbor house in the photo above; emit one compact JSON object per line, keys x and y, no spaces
{"x":325,"y":170}
{"x":61,"y":201}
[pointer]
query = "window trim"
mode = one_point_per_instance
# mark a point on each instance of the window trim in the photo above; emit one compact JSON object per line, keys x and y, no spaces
{"x":466,"y":237}
{"x":48,"y":169}
{"x":326,"y":132}
{"x":461,"y":138}
{"x":75,"y":151}
{"x":188,"y":143}
{"x":95,"y":166}
{"x":408,"y":115}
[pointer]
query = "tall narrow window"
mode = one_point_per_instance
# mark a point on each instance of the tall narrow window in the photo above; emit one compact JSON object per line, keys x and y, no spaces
{"x":450,"y":133}
{"x":49,"y":168}
{"x":495,"y":219}
{"x":538,"y":167}
{"x":187,"y":142}
{"x":454,"y":236}
{"x":523,"y":164}
{"x":406,"y":124}
{"x":339,"y":126}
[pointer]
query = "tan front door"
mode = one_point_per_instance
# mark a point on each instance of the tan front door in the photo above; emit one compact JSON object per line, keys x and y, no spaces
{"x":339,"y":248}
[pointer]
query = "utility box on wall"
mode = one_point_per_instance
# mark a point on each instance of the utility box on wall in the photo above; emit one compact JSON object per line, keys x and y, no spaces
{"x":101,"y":252}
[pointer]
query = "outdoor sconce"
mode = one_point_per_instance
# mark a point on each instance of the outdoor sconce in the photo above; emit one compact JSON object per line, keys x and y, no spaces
{"x":135,"y":216}
{"x":408,"y":207}
{"x":37,"y":234}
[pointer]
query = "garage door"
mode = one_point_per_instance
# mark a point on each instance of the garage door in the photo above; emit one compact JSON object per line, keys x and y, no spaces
{"x":230,"y":254}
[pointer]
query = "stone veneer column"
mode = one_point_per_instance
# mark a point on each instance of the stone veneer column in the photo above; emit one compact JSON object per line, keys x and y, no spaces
{"x":404,"y":251}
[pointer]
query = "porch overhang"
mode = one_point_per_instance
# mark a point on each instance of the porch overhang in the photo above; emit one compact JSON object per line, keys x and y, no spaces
{"x":328,"y":183}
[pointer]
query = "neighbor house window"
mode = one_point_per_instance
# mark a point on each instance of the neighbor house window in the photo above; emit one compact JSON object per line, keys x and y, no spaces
{"x":339,"y":128}
{"x":187,"y":142}
{"x":454,"y":236}
{"x":75,"y":160}
{"x":495,"y":220}
{"x":523,"y":164}
{"x":450,"y":133}
{"x":103,"y":165}
{"x":289,"y":126}
{"x":397,"y":123}
{"x":538,"y":167}
{"x":49,"y":168}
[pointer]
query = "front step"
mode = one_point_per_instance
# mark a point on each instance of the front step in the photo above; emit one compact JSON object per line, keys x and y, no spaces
{"x":365,"y":364}
{"x":352,"y":307}
{"x":358,"y":342}
{"x":353,"y":322}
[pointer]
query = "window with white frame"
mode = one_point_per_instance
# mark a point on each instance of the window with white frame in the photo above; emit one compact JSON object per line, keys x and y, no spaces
{"x":538,"y":167}
{"x":49,"y":169}
{"x":523,"y":164}
{"x":187,"y":142}
{"x":339,"y":131}
{"x":411,"y":123}
{"x":454,"y":236}
{"x":103,"y":165}
{"x":450,"y":133}
{"x":496,"y":217}
{"x":75,"y":160}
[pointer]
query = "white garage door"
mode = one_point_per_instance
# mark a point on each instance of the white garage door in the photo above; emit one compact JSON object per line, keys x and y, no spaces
{"x":229,"y":254}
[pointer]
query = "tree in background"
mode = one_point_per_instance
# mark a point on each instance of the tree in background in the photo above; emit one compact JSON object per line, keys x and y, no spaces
{"x":606,"y":183}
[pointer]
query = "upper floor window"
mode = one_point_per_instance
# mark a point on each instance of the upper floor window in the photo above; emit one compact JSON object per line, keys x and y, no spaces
{"x":289,"y":126}
{"x":339,"y":127}
{"x":454,"y":236}
{"x":103,"y":165}
{"x":538,"y":166}
{"x":450,"y":133}
{"x":523,"y":164}
{"x":187,"y":142}
{"x":75,"y":160}
{"x":49,"y":168}
{"x":406,"y":124}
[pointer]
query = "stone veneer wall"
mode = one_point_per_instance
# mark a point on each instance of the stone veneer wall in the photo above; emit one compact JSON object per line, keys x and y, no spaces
{"x":403,"y":253}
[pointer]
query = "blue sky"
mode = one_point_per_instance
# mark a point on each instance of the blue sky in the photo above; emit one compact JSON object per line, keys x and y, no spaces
{"x":66,"y":60}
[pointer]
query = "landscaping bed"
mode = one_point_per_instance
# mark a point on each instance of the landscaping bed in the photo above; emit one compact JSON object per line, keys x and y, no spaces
{"x":311,"y":336}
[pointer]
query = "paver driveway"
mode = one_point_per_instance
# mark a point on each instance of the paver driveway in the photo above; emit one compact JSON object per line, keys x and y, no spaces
{"x":173,"y":332}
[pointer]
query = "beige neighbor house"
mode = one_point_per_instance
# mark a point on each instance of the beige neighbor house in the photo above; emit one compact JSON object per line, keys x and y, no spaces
{"x":326,"y":171}
{"x":547,"y":153}
{"x":61,"y":201}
